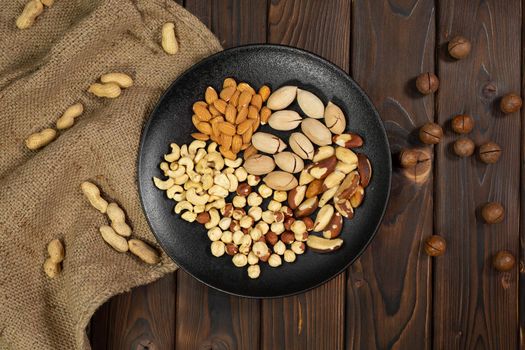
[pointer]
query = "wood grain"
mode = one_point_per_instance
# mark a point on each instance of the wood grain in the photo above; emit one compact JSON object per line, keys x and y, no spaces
{"x":141,"y":319}
{"x":474,"y":305}
{"x":388,"y":298}
{"x":313,"y":320}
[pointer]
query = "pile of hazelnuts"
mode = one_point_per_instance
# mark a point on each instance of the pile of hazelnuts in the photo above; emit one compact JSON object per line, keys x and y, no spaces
{"x":462,"y":124}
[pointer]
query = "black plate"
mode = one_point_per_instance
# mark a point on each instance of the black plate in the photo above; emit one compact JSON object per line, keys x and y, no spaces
{"x":187,"y":243}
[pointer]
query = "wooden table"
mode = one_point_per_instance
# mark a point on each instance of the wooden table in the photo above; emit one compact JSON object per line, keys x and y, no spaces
{"x":394,"y":296}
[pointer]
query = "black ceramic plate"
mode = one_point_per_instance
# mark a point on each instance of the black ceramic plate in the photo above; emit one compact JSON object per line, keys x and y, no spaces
{"x":187,"y":243}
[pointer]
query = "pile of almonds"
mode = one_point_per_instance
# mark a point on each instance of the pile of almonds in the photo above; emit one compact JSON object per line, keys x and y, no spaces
{"x":253,"y":212}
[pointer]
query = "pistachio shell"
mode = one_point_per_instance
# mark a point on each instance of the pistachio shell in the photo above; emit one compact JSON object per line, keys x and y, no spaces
{"x":310,"y":104}
{"x":289,"y":162}
{"x":301,"y":145}
{"x":316,"y":131}
{"x":334,"y":118}
{"x":259,"y":164}
{"x":267,"y":143}
{"x":284,"y":120}
{"x":281,"y":98}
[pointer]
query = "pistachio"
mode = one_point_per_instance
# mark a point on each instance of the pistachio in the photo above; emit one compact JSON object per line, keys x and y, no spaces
{"x":280,"y":180}
{"x":316,"y":131}
{"x":281,"y":98}
{"x":301,"y":145}
{"x":284,"y":120}
{"x":259,"y":164}
{"x":310,"y":104}
{"x":267,"y":143}
{"x":334,"y":118}
{"x":289,"y":162}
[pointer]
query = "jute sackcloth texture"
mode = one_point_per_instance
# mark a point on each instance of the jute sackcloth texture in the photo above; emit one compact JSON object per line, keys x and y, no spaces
{"x":43,"y":70}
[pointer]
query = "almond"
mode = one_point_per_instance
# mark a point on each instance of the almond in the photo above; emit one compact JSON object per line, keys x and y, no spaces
{"x":210,"y":95}
{"x":284,"y":120}
{"x":234,"y":100}
{"x":220,"y":105}
{"x":202,"y":113}
{"x":247,"y":136}
{"x":349,"y":140}
{"x":242,"y":115}
{"x":334,"y":227}
{"x":246,"y":87}
{"x":227,"y":93}
{"x":214,"y":111}
{"x":204,"y":127}
{"x":323,"y":245}
{"x":257,"y":101}
{"x":227,"y":128}
{"x":253,"y":113}
{"x":256,"y":123}
{"x":265,"y":115}
{"x":281,"y":98}
{"x":264,"y":91}
{"x":334,"y":118}
{"x":259,"y":164}
{"x":244,"y":126}
{"x":200,"y":136}
{"x":310,"y":104}
{"x":296,"y":196}
{"x":316,"y":131}
{"x":280,"y":180}
{"x":267,"y":143}
{"x":289,"y":162}
{"x":226,"y":141}
{"x":323,"y":217}
{"x":230,"y":114}
{"x":229,"y":82}
{"x":301,"y":145}
{"x":236,"y":144}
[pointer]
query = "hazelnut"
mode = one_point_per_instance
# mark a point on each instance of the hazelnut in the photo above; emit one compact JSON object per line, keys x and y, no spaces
{"x":271,"y":238}
{"x":408,"y":157}
{"x":493,"y":213}
{"x":459,"y":47}
{"x":231,"y":249}
{"x":275,"y":260}
{"x":215,"y":233}
{"x":289,"y":256}
{"x":298,"y":227}
{"x":244,"y":189}
{"x":238,"y":213}
{"x":255,"y":233}
{"x":298,"y":247}
{"x":268,"y":216}
{"x":254,"y":200}
{"x":288,"y":223}
{"x":287,"y":211}
{"x":237,"y":236}
{"x":263,"y":227}
{"x":279,"y":248}
{"x":464,"y":147}
{"x":260,"y":249}
{"x":239,"y":201}
{"x":239,"y":260}
{"x":430,"y":133}
{"x":203,"y":218}
{"x":435,"y":245}
{"x":427,"y":83}
{"x":280,"y":196}
{"x":253,"y":180}
{"x":510,"y":103}
{"x":234,"y":226}
{"x":255,"y":213}
{"x":252,"y":258}
{"x":278,"y":216}
{"x":246,"y":221}
{"x":309,"y":223}
{"x":277,"y":227}
{"x":254,"y":271}
{"x":225,"y":223}
{"x":287,"y":237}
{"x":227,"y":237}
{"x":241,"y":174}
{"x":274,"y":205}
{"x":489,"y":152}
{"x":227,"y":211}
{"x":218,"y":248}
{"x":504,"y":261}
{"x":265,"y":191}
{"x":462,"y":124}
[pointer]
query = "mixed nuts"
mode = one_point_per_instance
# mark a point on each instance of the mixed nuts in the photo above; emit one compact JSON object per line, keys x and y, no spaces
{"x":257,"y":208}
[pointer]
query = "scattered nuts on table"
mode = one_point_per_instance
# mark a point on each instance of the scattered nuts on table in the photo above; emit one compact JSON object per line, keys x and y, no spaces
{"x":169,"y":40}
{"x":462,"y":123}
{"x":510,"y":103}
{"x":489,"y":152}
{"x":464,"y":147}
{"x":52,"y":265}
{"x":430,"y":133}
{"x":459,"y":47}
{"x":504,"y":261}
{"x":427,"y":83}
{"x":493,"y":213}
{"x":435,"y":245}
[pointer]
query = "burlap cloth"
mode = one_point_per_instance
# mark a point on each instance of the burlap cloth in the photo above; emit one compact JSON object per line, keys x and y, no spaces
{"x":43,"y":70}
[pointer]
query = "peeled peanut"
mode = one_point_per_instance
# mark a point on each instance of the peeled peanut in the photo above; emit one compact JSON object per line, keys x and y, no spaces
{"x":143,"y":251}
{"x":108,"y":90}
{"x":55,"y":249}
{"x":40,"y":139}
{"x":169,"y":41}
{"x":31,"y":11}
{"x":47,"y":3}
{"x":92,"y":193}
{"x":117,"y":242}
{"x":118,"y":220}
{"x":51,"y":268}
{"x":68,"y":118}
{"x":121,"y":79}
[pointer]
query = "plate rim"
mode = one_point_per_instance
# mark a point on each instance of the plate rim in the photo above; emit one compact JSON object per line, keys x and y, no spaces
{"x":292,"y":49}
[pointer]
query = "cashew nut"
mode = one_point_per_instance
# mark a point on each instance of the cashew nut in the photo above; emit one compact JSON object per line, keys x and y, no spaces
{"x":218,"y":191}
{"x":68,"y":118}
{"x":170,"y":192}
{"x":118,"y":220}
{"x":202,"y":166}
{"x":214,"y":198}
{"x":214,"y":219}
{"x":181,"y":179}
{"x":92,"y":193}
{"x":179,"y":196}
{"x":199,"y":209}
{"x":163,"y":185}
{"x":183,"y":205}
{"x":194,"y":176}
{"x":165,"y":167}
{"x":195,"y":145}
{"x":222,"y":180}
{"x":195,"y":199}
{"x":174,"y":155}
{"x":28,"y":16}
{"x":184,"y":151}
{"x":218,"y":204}
{"x":228,"y":170}
{"x":169,"y":41}
{"x":176,"y":173}
{"x":121,"y":79}
{"x":233,"y":182}
{"x":216,"y":159}
{"x":207,"y":181}
{"x":201,"y":153}
{"x":189,"y":216}
{"x":233,"y":163}
{"x":187,"y":162}
{"x":109,"y":90}
{"x":241,"y":174}
{"x":212,"y":147}
{"x":40,"y":139}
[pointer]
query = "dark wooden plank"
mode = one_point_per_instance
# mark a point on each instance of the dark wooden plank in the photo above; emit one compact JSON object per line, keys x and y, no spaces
{"x":313,"y":320}
{"x":234,"y":22}
{"x":388,"y":298}
{"x":207,"y":318}
{"x":521,"y":288}
{"x":474,"y":305}
{"x":141,"y":319}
